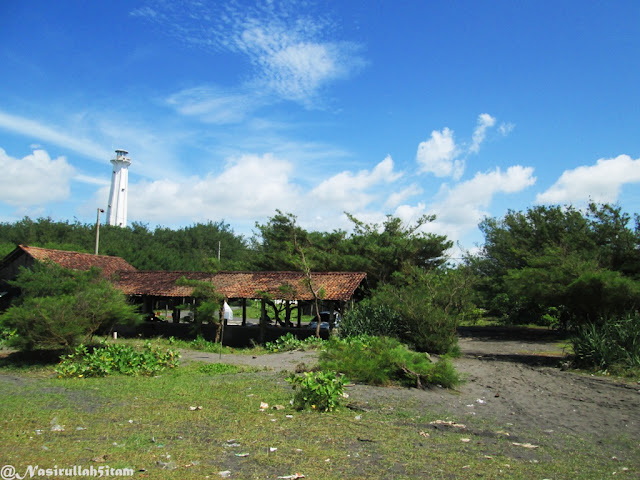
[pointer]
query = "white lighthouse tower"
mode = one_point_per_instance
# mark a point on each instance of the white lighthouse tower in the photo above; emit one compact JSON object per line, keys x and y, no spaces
{"x":117,"y":208}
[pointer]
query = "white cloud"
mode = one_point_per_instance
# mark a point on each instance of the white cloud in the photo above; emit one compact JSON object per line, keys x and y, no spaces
{"x":438,"y":155}
{"x":396,"y":198}
{"x":459,"y":209}
{"x":601,"y":182}
{"x":352,"y":192}
{"x":250,"y":187}
{"x":485,"y":121}
{"x":35,"y":179}
{"x":31,"y":128}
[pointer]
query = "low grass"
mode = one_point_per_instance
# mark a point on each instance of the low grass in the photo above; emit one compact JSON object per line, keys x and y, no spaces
{"x":201,"y":419}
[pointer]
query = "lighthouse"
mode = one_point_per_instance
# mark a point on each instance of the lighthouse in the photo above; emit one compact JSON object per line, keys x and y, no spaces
{"x":117,"y":207}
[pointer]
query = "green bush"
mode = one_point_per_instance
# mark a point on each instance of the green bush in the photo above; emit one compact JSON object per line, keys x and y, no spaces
{"x":612,"y":346}
{"x":369,"y":318}
{"x":321,"y":391}
{"x":385,"y":361}
{"x":113,"y":358}
{"x":289,"y":342}
{"x":61,"y":308}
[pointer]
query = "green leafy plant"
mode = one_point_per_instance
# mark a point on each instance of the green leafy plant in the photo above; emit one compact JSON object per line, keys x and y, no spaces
{"x":113,"y":358}
{"x":6,"y":334}
{"x":321,"y":391}
{"x":289,"y":342}
{"x":385,"y":361}
{"x":612,"y":347}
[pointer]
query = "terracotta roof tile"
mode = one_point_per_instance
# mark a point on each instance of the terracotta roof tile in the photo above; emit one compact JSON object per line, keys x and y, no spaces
{"x":79,"y":261}
{"x":279,"y":285}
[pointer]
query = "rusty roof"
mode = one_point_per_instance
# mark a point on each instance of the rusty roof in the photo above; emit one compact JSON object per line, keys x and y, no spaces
{"x":278,"y":285}
{"x":79,"y":261}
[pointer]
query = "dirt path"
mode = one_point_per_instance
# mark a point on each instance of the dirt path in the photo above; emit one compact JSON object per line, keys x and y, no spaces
{"x":513,"y":383}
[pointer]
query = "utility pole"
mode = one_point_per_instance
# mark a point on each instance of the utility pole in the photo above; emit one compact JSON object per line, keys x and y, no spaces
{"x":98,"y":229}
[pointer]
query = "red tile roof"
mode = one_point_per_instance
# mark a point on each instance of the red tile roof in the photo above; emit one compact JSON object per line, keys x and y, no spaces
{"x":79,"y":261}
{"x":336,"y":285}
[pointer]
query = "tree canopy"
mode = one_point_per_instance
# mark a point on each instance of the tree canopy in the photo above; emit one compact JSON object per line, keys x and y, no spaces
{"x":380,"y":250}
{"x":61,"y":308}
{"x":560,"y":264}
{"x":192,"y":248}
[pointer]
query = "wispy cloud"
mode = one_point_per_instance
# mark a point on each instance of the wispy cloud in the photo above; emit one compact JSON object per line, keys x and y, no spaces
{"x":214,"y":105}
{"x":601,"y":182}
{"x":485,"y":121}
{"x":293,"y":52}
{"x":32,"y":129}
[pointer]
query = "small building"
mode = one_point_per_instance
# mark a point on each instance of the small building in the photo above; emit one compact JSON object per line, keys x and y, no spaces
{"x":151,"y":287}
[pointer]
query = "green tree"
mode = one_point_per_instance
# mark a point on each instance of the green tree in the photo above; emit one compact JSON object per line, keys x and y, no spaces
{"x":273,"y":244}
{"x":538,"y":266}
{"x":209,"y":304}
{"x":382,"y":250}
{"x":427,"y":306}
{"x":61,"y":308}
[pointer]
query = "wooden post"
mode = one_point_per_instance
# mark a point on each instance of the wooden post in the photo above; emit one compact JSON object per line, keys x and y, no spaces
{"x":263,"y":320}
{"x":299,"y":313}
{"x":244,"y":312}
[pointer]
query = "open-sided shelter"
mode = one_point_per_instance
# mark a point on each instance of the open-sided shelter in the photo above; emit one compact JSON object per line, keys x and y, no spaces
{"x":335,"y":288}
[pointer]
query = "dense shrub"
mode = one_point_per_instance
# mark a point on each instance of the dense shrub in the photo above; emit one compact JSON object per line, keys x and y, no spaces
{"x":385,"y":361}
{"x":613,"y":346}
{"x":420,"y":308}
{"x":427,"y":307}
{"x":61,"y":308}
{"x":321,"y":391}
{"x":369,"y":318}
{"x":111,"y":358}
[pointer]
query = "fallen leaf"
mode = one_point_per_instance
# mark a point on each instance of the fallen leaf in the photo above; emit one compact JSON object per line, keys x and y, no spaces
{"x":424,"y":434}
{"x":448,"y":423}
{"x":99,"y":459}
{"x":525,"y":445}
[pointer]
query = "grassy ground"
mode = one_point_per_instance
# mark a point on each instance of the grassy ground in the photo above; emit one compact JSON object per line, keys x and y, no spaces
{"x":150,"y":425}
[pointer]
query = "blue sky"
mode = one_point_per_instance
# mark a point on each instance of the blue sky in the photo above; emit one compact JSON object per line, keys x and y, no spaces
{"x":231,"y":110}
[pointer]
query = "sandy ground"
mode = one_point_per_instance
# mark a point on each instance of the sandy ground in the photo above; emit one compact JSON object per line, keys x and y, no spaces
{"x":515,"y":384}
